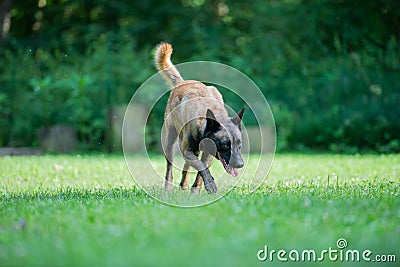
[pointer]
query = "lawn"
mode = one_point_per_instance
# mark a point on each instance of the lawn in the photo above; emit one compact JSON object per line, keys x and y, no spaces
{"x":87,"y":211}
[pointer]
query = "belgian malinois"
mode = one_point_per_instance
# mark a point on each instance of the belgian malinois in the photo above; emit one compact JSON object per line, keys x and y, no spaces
{"x":195,"y":112}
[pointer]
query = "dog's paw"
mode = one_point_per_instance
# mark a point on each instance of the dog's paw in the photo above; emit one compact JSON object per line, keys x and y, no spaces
{"x":195,"y":190}
{"x":168,"y":186}
{"x":184,"y":187}
{"x":211,"y":187}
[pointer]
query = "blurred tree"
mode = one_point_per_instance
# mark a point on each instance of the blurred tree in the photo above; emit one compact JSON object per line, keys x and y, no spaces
{"x":5,"y":19}
{"x":329,"y":68}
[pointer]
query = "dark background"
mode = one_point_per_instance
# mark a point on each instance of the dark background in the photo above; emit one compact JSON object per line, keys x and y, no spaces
{"x":330,"y":69}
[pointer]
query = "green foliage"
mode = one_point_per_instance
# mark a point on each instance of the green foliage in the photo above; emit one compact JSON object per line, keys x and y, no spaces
{"x":328,"y":68}
{"x":68,"y":88}
{"x":91,"y":216}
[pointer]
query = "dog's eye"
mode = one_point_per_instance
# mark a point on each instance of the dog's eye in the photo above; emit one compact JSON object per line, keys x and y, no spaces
{"x":225,"y":146}
{"x":238,"y":144}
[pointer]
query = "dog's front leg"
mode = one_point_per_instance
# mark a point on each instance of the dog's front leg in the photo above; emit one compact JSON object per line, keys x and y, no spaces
{"x":202,"y":168}
{"x":206,"y":159}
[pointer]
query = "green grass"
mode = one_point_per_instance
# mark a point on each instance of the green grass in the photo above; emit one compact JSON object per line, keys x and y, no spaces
{"x":90,"y":213}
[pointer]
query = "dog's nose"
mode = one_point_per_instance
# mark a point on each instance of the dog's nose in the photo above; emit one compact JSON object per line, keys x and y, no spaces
{"x":240,"y":164}
{"x":237,"y":163}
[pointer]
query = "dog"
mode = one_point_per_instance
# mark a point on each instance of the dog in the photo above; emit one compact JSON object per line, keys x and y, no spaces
{"x":195,"y":113}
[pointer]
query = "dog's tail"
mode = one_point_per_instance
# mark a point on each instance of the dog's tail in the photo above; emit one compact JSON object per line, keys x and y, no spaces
{"x":162,"y":59}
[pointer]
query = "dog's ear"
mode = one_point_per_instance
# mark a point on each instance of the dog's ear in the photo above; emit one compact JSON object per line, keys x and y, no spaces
{"x":212,"y":124}
{"x":237,"y":120}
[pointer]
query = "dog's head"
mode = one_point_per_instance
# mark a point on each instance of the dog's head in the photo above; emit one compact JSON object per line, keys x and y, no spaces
{"x":226,"y":133}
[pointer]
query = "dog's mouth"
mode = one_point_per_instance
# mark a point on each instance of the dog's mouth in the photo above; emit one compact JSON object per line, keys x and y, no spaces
{"x":229,"y":169}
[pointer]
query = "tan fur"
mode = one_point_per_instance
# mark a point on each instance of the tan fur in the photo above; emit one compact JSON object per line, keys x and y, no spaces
{"x":185,"y":119}
{"x":162,"y":59}
{"x":191,"y":99}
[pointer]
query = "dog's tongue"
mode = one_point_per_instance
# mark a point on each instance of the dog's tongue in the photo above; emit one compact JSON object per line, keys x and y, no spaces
{"x":232,"y":171}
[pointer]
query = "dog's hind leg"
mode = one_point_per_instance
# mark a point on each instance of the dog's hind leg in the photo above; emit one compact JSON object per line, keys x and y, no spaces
{"x":185,"y":174}
{"x":207,"y":160}
{"x":170,"y":142}
{"x":197,"y":184}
